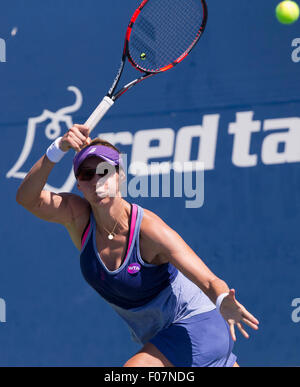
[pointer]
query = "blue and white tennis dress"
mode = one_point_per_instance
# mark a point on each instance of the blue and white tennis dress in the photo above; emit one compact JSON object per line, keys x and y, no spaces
{"x":159,"y":304}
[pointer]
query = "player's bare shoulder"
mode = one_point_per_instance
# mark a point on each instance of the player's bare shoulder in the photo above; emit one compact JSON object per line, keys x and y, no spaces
{"x":152,"y":233}
{"x":151,"y":222}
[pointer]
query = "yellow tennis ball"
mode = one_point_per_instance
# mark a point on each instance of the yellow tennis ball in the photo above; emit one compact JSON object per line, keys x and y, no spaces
{"x":287,"y":12}
{"x":143,"y":55}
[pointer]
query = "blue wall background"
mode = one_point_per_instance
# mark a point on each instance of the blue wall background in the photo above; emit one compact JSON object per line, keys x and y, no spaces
{"x":248,"y":229}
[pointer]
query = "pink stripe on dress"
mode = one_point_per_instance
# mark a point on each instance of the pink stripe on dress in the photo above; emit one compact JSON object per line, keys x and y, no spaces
{"x":85,"y":235}
{"x":133,"y":223}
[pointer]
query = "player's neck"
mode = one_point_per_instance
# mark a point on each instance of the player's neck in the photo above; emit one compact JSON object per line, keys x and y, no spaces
{"x":107,"y":214}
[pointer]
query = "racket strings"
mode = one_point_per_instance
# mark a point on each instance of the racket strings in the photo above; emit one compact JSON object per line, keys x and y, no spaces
{"x":171,"y":39}
{"x":164,"y":31}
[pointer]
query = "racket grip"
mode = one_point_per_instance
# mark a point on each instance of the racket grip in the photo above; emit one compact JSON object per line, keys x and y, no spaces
{"x":99,"y":113}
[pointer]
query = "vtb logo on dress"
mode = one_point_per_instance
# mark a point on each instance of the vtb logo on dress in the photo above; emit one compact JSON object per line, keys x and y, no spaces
{"x":2,"y":50}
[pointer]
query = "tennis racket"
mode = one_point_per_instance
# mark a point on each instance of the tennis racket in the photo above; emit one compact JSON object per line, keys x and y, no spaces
{"x":161,"y":34}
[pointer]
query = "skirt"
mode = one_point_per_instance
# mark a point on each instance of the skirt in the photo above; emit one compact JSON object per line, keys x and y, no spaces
{"x":203,"y":340}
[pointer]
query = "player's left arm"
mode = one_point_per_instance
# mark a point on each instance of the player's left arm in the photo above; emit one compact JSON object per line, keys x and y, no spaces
{"x":172,"y":248}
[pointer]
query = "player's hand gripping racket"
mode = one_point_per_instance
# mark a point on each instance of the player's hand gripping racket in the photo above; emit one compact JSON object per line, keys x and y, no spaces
{"x":161,"y":33}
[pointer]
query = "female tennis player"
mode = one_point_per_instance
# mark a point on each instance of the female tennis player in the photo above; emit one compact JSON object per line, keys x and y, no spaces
{"x":175,"y":307}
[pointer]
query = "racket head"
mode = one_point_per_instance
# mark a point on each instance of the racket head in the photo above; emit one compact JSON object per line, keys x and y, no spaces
{"x":162,"y":33}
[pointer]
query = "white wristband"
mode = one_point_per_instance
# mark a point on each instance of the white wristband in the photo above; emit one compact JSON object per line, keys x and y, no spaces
{"x":220,"y":300}
{"x":54,"y":153}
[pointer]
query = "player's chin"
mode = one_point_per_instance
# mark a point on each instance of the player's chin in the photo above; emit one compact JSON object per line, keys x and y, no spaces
{"x":102,"y":198}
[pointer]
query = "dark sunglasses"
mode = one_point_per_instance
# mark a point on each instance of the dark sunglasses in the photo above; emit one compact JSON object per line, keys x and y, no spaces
{"x":88,"y":174}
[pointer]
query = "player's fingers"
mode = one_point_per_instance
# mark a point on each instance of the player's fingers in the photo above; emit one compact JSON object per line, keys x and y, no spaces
{"x":249,"y":323}
{"x":83,"y":129}
{"x":80,"y":139}
{"x":249,"y":316}
{"x":232,"y":331}
{"x":75,"y":142}
{"x":88,"y":140}
{"x":232,"y":293}
{"x":78,"y":133}
{"x":73,"y":145}
{"x":242,"y":330}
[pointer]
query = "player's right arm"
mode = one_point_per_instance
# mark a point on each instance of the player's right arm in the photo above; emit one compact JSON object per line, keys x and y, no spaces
{"x":61,"y":208}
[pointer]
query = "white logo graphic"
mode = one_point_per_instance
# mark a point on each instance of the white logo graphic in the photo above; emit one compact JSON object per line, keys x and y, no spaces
{"x":2,"y":311}
{"x":277,"y":138}
{"x":52,"y":131}
{"x":92,"y":150}
{"x":296,"y":312}
{"x":296,"y":51}
{"x":2,"y":50}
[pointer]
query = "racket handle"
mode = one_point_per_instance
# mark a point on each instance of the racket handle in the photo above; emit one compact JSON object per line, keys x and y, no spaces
{"x":99,"y":113}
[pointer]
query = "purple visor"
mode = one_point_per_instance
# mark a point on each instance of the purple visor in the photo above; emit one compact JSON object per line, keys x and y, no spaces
{"x":107,"y":154}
